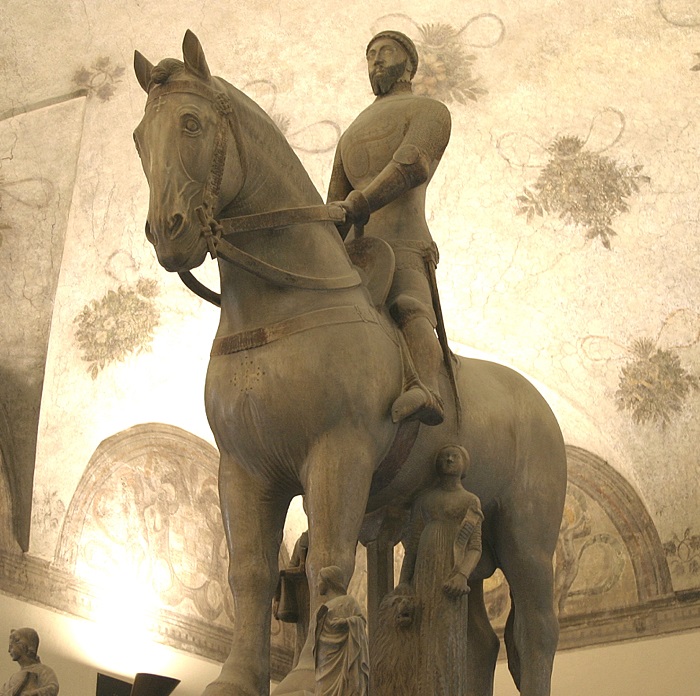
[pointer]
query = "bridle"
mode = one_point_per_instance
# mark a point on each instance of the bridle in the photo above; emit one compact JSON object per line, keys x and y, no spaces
{"x":218,"y":233}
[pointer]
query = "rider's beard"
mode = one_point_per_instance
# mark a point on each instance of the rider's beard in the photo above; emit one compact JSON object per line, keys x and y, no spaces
{"x":383,"y":81}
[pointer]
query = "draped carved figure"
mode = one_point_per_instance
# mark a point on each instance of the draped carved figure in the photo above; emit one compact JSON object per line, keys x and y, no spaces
{"x":442,"y":550}
{"x":341,"y":653}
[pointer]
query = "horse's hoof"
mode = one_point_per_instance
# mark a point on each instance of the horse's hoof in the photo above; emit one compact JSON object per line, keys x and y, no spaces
{"x":222,"y":688}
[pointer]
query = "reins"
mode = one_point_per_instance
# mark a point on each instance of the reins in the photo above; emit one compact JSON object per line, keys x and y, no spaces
{"x":215,"y":232}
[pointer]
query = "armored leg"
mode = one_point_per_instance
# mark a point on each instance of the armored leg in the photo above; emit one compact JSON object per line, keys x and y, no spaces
{"x":421,"y":396}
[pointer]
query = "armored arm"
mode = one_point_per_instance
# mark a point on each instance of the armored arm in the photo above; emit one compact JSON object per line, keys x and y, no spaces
{"x":412,"y":164}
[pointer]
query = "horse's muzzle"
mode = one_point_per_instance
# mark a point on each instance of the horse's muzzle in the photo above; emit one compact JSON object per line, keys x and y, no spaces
{"x":172,"y":230}
{"x":176,"y":249}
{"x":177,"y":225}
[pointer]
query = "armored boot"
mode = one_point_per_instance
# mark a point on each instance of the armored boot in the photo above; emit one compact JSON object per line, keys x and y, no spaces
{"x":421,"y":396}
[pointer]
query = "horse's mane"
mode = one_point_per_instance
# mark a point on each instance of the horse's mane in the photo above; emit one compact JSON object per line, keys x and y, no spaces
{"x":165,"y":70}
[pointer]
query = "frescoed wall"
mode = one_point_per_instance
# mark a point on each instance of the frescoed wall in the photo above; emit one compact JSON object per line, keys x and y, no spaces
{"x":566,"y":211}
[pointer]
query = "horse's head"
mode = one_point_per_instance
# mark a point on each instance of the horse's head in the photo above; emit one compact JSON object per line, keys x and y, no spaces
{"x":188,"y":153}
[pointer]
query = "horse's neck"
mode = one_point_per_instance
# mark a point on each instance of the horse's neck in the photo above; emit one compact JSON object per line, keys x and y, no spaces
{"x":274,"y":176}
{"x":275,"y":179}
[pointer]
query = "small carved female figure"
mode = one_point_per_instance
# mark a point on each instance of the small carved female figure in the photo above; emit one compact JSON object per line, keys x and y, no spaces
{"x":341,"y":654}
{"x":443,"y":548}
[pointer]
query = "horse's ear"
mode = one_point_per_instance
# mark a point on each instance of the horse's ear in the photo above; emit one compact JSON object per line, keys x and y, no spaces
{"x":142,"y":68}
{"x":193,"y":54}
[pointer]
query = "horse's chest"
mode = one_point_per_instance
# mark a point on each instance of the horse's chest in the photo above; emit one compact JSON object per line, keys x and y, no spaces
{"x":266,"y":403}
{"x":237,"y":381}
{"x":246,"y":402}
{"x":246,"y":375}
{"x":370,"y":142}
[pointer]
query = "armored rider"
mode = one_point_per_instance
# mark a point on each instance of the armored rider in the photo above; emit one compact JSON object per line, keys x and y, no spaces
{"x":383,"y":164}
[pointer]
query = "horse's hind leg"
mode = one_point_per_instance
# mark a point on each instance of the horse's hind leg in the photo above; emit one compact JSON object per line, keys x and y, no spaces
{"x":483,"y":644}
{"x":533,"y":628}
{"x":511,"y":648}
{"x":253,"y":520}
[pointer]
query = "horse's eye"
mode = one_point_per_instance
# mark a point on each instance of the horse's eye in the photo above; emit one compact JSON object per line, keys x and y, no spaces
{"x":191,"y":125}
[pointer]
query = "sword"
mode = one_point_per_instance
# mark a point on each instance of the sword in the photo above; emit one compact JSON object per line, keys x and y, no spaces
{"x":442,"y":336}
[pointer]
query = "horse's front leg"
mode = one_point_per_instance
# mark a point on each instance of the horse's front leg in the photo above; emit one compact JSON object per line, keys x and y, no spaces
{"x":337,"y":483}
{"x":253,"y":517}
{"x":336,"y":477}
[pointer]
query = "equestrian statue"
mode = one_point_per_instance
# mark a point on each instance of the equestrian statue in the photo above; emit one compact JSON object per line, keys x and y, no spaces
{"x":330,"y":375}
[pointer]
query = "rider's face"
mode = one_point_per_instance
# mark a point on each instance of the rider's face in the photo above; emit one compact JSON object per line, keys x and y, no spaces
{"x":386,"y":63}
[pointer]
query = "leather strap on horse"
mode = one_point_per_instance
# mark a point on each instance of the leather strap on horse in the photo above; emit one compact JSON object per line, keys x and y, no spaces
{"x":183,"y":87}
{"x":278,"y":219}
{"x":191,"y":283}
{"x":247,"y":340}
{"x":279,"y":276}
{"x":275,"y":219}
{"x":401,"y":447}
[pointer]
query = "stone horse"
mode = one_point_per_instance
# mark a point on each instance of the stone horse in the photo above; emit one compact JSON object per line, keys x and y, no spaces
{"x":303,"y":373}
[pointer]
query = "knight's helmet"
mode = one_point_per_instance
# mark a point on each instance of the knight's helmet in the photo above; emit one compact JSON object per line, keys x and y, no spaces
{"x":404,"y":41}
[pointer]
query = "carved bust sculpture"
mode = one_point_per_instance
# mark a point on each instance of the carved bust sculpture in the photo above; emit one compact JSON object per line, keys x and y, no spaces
{"x":34,"y":678}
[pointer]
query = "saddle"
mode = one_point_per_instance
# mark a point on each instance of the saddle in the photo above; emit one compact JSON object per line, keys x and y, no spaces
{"x":374,"y":259}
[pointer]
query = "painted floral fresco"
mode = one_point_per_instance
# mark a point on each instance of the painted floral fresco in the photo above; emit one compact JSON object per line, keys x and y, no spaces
{"x":447,"y":66}
{"x":684,"y":553}
{"x":100,"y":79}
{"x":583,"y":188}
{"x":118,"y":325}
{"x":445,"y":69}
{"x":653,"y":385}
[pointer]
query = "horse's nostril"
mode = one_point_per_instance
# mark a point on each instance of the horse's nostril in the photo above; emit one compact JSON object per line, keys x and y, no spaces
{"x":176,"y":225}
